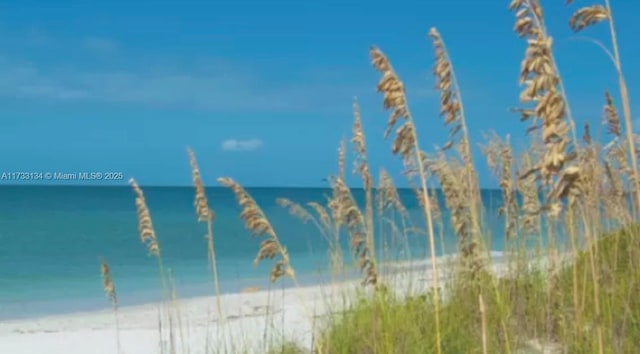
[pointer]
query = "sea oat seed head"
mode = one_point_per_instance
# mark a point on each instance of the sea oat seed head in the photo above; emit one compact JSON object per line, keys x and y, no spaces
{"x":294,"y":209}
{"x":145,"y":224}
{"x":107,"y":283}
{"x":361,"y":165}
{"x":391,"y":88}
{"x":202,"y":205}
{"x":611,"y":118}
{"x":588,"y":16}
{"x":258,"y":224}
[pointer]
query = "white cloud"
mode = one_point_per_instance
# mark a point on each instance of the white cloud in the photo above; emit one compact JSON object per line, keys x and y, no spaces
{"x":241,"y":145}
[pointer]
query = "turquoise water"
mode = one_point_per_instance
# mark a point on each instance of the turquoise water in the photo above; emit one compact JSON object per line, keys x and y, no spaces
{"x":51,"y":239}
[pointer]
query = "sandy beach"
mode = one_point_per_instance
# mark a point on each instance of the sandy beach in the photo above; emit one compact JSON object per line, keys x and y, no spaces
{"x":296,"y":313}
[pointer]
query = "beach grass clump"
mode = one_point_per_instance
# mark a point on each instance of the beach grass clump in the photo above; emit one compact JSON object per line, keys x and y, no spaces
{"x":388,"y":323}
{"x":560,"y":191}
{"x":616,"y":307}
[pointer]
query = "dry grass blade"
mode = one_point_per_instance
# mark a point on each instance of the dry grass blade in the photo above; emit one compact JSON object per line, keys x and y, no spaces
{"x":258,"y":224}
{"x":107,"y":283}
{"x":145,"y":224}
{"x":588,"y":16}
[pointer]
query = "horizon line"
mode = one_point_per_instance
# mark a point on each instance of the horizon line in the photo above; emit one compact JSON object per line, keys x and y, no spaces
{"x":126,"y":185}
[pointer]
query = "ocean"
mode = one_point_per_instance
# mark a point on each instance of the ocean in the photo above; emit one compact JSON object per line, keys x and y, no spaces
{"x":52,"y":237}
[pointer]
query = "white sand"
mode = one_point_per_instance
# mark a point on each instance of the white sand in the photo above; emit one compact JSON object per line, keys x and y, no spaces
{"x":296,"y":312}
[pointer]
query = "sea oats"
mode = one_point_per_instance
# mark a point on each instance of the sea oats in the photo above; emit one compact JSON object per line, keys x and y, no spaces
{"x":342,"y":158}
{"x":611,"y":118}
{"x":406,"y":145}
{"x":145,"y":224}
{"x":258,"y":224}
{"x":451,"y":109}
{"x":302,"y":214}
{"x":452,"y":182}
{"x":361,"y":167}
{"x":614,"y":202}
{"x":361,"y":164}
{"x":531,"y":207}
{"x":387,"y":195}
{"x":107,"y":283}
{"x":450,"y":104}
{"x":295,"y":209}
{"x":323,"y":214}
{"x":593,"y":176}
{"x":202,"y":205}
{"x":205,"y":214}
{"x":395,"y":100}
{"x":587,"y":16}
{"x":391,"y":88}
{"x":352,"y":218}
{"x":543,"y":91}
{"x":110,"y":291}
{"x":332,"y":203}
{"x":500,"y":160}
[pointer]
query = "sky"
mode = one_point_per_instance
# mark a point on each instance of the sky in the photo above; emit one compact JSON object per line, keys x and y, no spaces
{"x":262,"y":91}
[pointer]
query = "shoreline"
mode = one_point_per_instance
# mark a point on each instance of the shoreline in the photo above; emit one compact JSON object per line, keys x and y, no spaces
{"x":295,"y":312}
{"x":204,"y":289}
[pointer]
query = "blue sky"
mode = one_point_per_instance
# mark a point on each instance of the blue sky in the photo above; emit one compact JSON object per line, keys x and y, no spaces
{"x":262,"y":90}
